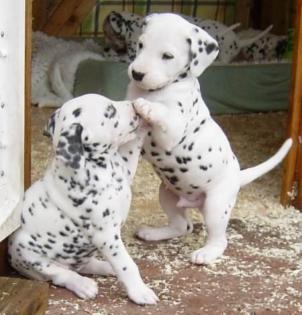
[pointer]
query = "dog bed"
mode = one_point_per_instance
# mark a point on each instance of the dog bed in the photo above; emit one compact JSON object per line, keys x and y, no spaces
{"x":234,"y":88}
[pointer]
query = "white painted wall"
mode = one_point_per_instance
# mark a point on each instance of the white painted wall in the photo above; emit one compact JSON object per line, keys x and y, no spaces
{"x":12,"y":104}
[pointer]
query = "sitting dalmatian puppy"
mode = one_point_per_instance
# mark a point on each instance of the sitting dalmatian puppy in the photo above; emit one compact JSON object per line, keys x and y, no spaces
{"x":76,"y":211}
{"x":122,"y":30}
{"x":187,"y":149}
{"x":269,"y":47}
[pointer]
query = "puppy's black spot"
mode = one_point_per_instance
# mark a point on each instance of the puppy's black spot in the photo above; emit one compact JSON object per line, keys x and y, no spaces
{"x":77,"y":112}
{"x":196,"y":130}
{"x":106,"y":213}
{"x":210,"y":48}
{"x":110,"y":111}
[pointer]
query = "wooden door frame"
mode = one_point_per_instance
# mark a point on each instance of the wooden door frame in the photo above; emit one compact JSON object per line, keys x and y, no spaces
{"x":292,"y":179}
{"x":27,"y":133}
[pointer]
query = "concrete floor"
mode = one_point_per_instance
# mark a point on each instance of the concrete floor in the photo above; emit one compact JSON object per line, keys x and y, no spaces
{"x":261,"y":270}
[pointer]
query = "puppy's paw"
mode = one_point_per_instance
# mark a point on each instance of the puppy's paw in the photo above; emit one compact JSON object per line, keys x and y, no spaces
{"x":142,"y":295}
{"x":143,"y":108}
{"x":148,"y":233}
{"x":84,"y":288}
{"x":106,"y":269}
{"x":207,"y":254}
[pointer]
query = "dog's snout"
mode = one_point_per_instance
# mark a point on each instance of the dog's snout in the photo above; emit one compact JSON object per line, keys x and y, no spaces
{"x":137,"y":76}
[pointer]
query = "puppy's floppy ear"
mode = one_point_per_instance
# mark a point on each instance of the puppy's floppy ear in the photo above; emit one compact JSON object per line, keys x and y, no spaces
{"x":70,"y":146}
{"x":147,"y":20}
{"x":203,"y":50}
{"x":49,"y":129}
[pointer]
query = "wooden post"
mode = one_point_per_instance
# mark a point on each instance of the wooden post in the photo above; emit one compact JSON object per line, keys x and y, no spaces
{"x":275,"y":12}
{"x":40,"y":14}
{"x":293,"y":164}
{"x":242,"y":13}
{"x":67,"y":16}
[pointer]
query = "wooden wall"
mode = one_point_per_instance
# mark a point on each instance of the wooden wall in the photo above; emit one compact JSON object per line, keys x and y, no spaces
{"x":60,"y":17}
{"x":277,"y":12}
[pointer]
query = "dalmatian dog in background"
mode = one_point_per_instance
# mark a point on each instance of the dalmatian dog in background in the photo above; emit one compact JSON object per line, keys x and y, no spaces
{"x":54,"y":65}
{"x":230,"y":45}
{"x":76,"y":211}
{"x":122,"y":30}
{"x":187,"y":149}
{"x":270,"y":47}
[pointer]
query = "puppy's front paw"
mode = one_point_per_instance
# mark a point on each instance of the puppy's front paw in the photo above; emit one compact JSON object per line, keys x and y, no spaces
{"x":84,"y":288}
{"x":142,"y":295}
{"x":143,"y":108}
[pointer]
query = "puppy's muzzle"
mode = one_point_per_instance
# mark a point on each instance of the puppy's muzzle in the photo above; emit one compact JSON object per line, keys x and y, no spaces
{"x":137,"y":76}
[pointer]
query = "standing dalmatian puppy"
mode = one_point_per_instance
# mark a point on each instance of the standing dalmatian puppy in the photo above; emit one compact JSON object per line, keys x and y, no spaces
{"x":186,"y":147}
{"x":76,"y":211}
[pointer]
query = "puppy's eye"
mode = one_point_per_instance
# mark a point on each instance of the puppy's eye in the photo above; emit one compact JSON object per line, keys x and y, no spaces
{"x":140,"y":45}
{"x":167,"y":56}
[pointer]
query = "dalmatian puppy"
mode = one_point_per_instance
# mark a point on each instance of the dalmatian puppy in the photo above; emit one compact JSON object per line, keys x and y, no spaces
{"x":54,"y":65}
{"x":187,"y":149}
{"x":122,"y":30}
{"x":75,"y":212}
{"x":229,"y":43}
{"x":270,"y":47}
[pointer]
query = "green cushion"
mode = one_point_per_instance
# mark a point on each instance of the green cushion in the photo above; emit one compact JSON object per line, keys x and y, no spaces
{"x":226,"y":89}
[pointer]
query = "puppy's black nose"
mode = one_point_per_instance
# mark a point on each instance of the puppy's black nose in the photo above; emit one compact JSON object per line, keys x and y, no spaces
{"x":137,"y":76}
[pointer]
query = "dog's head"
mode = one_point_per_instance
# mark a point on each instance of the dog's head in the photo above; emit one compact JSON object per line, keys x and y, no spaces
{"x":121,"y":28}
{"x":169,"y":48}
{"x":89,"y":127}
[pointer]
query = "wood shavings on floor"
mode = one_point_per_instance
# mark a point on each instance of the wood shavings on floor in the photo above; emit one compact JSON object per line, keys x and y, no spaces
{"x":260,"y":272}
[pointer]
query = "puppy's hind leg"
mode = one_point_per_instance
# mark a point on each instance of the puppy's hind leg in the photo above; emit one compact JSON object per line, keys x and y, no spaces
{"x":39,"y":267}
{"x":216,"y":212}
{"x":178,"y":224}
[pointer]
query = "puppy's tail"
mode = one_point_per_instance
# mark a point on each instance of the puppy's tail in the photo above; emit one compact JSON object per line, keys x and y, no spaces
{"x":229,"y":29}
{"x":250,"y":174}
{"x":249,"y":41}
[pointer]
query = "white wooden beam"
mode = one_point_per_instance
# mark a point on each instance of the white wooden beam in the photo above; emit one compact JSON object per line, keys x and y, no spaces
{"x":12,"y":65}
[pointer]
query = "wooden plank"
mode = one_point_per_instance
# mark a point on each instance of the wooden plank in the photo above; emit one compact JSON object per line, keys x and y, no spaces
{"x":27,"y":133}
{"x":3,"y":260}
{"x":293,"y":164}
{"x":242,"y":13}
{"x":66,"y":18}
{"x":23,"y":297}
